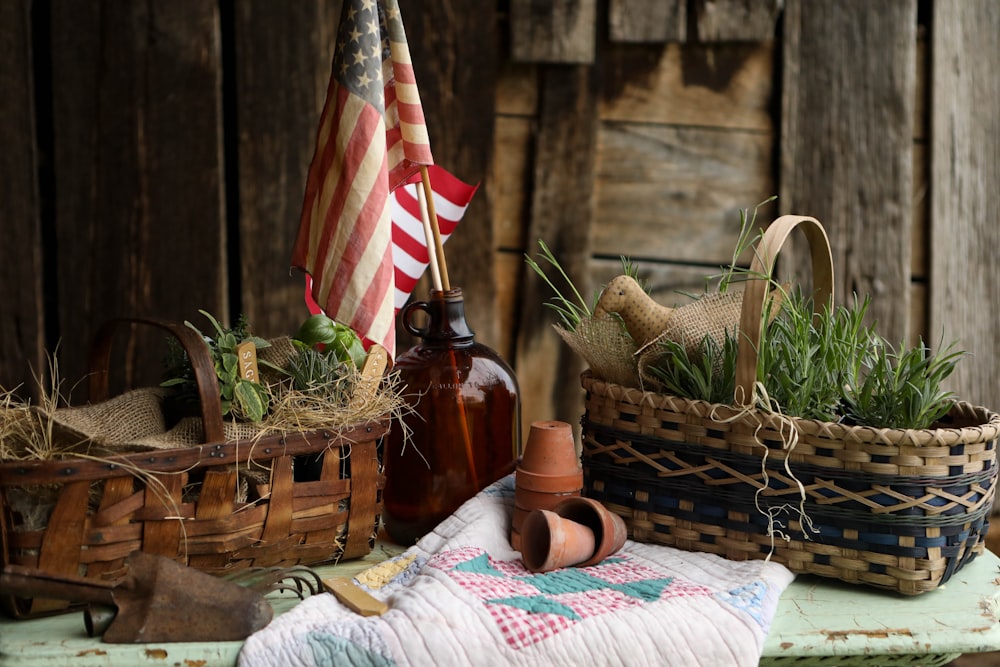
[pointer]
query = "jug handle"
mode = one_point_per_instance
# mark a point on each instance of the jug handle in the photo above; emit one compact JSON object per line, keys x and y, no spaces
{"x":407,"y":314}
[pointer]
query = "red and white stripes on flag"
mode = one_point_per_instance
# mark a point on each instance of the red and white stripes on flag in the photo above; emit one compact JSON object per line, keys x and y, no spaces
{"x":410,"y":254}
{"x":371,"y":139}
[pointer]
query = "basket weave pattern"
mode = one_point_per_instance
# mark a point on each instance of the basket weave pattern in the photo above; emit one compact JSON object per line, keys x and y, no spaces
{"x":900,"y":509}
{"x":887,"y":511}
{"x":320,"y":501}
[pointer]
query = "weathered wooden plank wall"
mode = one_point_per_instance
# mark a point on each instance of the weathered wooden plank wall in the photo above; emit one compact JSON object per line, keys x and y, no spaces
{"x":564,"y":174}
{"x":964,"y":187}
{"x":174,"y":146}
{"x":281,"y":56}
{"x":138,"y":171}
{"x":21,"y":318}
{"x":456,"y":53}
{"x":847,"y":143}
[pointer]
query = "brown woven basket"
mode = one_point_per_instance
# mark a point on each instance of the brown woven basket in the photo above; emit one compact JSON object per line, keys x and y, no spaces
{"x":322,"y":501}
{"x":892,"y":508}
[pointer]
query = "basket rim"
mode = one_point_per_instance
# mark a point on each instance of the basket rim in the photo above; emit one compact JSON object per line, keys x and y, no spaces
{"x":987,"y":430}
{"x":176,"y":459}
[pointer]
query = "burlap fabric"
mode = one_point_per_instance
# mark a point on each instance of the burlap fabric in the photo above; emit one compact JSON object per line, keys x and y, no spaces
{"x":613,"y":356}
{"x":606,"y":346}
{"x":136,"y":421}
{"x":712,"y":315}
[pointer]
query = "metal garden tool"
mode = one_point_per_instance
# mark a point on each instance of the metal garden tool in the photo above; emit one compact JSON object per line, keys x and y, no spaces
{"x":158,"y":600}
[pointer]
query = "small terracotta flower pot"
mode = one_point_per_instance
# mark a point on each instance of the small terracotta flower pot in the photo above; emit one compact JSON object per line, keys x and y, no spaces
{"x":550,"y":542}
{"x":550,"y":449}
{"x":610,"y":531}
{"x":550,"y":539}
{"x":548,"y":472}
{"x":537,"y":500}
{"x":526,"y":502}
{"x":549,"y":483}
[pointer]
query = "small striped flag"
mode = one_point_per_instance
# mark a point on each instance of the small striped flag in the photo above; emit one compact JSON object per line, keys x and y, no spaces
{"x":371,"y":138}
{"x":410,"y":254}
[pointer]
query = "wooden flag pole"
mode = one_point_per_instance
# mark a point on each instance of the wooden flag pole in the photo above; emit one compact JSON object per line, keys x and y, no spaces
{"x":470,"y":458}
{"x":425,"y":178}
{"x":429,"y":238}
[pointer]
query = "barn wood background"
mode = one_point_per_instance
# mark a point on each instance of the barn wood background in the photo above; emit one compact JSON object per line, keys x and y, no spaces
{"x":154,"y":155}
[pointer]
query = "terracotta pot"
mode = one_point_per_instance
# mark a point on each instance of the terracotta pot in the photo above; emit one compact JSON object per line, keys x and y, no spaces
{"x":610,"y":531}
{"x":550,"y":450}
{"x":526,"y":502}
{"x":550,"y":542}
{"x":537,"y":500}
{"x":549,"y":483}
{"x":515,"y":540}
{"x":551,"y":539}
{"x":548,"y":472}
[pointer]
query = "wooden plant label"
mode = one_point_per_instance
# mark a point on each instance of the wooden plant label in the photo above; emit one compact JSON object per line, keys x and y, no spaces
{"x":247,"y":354}
{"x":371,"y":374}
{"x":354,"y":597}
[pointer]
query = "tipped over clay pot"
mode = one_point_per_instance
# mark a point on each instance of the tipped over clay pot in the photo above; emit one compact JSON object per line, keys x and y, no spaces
{"x":577,"y":532}
{"x":610,"y":531}
{"x":550,"y":542}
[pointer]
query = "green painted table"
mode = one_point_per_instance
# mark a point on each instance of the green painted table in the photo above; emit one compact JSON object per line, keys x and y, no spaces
{"x":819,"y":622}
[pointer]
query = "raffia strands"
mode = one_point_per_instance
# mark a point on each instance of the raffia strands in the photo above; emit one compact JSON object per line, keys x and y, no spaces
{"x":371,"y":138}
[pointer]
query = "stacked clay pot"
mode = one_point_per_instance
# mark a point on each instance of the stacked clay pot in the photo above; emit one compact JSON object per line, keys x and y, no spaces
{"x":548,"y":473}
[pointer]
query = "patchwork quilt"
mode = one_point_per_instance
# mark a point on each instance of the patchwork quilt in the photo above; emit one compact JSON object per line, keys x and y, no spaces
{"x":461,"y":596}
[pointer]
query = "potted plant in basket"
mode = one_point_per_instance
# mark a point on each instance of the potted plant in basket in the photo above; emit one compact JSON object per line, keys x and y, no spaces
{"x":796,"y":433}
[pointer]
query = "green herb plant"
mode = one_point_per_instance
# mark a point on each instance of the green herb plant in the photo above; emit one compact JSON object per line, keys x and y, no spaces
{"x":707,"y":375}
{"x":321,"y":374}
{"x":805,"y":360}
{"x":824,"y":364}
{"x":901,"y":390}
{"x":749,"y":235}
{"x":325,"y":333}
{"x":573,"y":309}
{"x":241,"y":397}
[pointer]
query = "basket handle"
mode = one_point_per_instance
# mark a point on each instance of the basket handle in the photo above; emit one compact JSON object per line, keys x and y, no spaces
{"x":756,"y":291}
{"x":197,"y":351}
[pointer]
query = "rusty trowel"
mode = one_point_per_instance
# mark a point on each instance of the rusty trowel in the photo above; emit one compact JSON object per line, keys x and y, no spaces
{"x":159,"y":600}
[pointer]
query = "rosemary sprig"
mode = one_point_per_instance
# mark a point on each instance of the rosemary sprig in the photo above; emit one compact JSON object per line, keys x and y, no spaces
{"x":570,"y":312}
{"x":902,"y":390}
{"x":709,"y":375}
{"x":804,"y":360}
{"x":749,"y":235}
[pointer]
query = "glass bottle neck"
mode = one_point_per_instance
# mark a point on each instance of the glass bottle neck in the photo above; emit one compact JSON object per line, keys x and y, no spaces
{"x":447,"y":325}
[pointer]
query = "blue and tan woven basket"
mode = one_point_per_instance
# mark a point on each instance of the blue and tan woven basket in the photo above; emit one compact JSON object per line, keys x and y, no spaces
{"x":897,"y":509}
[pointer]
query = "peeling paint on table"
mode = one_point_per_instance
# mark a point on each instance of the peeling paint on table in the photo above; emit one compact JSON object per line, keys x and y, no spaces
{"x":821,"y":619}
{"x":818,"y":622}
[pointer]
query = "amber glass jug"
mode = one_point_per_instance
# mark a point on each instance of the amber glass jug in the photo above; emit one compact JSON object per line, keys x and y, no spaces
{"x":464,"y":427}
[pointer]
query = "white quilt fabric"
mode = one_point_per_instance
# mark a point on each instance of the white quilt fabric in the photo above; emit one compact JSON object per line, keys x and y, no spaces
{"x":461,"y":596}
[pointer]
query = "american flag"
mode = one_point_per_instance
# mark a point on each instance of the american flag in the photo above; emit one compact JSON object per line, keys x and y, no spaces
{"x":371,"y":139}
{"x":410,"y":254}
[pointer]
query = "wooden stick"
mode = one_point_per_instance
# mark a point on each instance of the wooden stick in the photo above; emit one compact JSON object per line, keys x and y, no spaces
{"x":425,"y":178}
{"x":446,"y":284}
{"x":429,"y":238}
{"x":354,"y":597}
